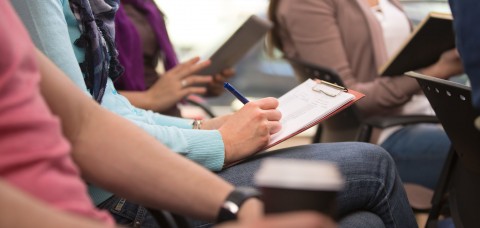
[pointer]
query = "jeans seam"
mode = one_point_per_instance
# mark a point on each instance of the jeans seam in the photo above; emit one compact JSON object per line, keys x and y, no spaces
{"x":141,"y":213}
{"x":378,"y":180}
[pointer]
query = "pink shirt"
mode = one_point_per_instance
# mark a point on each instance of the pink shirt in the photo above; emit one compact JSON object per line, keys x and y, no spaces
{"x":34,"y":156}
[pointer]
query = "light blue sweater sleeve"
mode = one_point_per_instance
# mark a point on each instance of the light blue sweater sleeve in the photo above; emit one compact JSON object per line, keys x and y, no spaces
{"x":53,"y":29}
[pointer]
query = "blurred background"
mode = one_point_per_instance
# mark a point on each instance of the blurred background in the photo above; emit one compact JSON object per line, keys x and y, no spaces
{"x":199,"y":27}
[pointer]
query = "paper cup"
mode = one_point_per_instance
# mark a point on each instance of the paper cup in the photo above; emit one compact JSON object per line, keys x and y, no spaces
{"x":298,"y":185}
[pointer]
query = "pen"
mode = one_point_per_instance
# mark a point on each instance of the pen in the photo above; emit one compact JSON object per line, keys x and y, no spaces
{"x":235,"y":93}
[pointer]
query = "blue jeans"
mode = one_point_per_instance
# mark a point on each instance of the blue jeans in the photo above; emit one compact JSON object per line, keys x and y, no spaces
{"x":419,"y":152}
{"x":361,"y":219}
{"x":133,"y":215}
{"x":127,"y":213}
{"x":372,"y":184}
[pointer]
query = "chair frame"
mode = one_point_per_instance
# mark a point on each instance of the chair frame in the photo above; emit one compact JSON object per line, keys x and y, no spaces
{"x":459,"y":187}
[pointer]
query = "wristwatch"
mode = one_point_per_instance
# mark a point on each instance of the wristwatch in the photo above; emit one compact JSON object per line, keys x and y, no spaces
{"x":233,"y":202}
{"x":197,"y":124}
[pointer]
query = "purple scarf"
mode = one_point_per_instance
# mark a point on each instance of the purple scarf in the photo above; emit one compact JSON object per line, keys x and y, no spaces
{"x":129,"y":44}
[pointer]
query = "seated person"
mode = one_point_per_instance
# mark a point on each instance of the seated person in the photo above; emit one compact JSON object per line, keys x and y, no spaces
{"x":220,"y":141}
{"x":355,"y":38}
{"x":44,"y":169}
{"x":142,"y":40}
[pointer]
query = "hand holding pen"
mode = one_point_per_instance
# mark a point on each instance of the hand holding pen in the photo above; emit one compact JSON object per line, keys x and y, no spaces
{"x":235,"y":93}
{"x":247,"y":130}
{"x":266,"y":105}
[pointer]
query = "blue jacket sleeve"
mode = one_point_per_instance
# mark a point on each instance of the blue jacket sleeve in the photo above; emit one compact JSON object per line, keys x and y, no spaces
{"x":53,"y":29}
{"x":466,"y":18}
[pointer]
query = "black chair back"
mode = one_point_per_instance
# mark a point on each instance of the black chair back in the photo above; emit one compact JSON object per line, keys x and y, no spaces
{"x":453,"y":107}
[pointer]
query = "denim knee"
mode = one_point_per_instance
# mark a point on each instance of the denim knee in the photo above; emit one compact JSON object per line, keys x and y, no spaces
{"x":371,"y":153}
{"x":368,"y":161}
{"x":361,"y":219}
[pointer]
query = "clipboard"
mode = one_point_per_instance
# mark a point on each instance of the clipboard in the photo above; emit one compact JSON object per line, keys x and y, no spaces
{"x":306,"y":117}
{"x":322,"y":89}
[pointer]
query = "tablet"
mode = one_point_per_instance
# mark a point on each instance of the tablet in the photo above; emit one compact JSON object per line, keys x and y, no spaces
{"x":237,"y":45}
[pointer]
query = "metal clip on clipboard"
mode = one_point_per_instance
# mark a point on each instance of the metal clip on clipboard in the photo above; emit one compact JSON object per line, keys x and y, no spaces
{"x":331,"y":93}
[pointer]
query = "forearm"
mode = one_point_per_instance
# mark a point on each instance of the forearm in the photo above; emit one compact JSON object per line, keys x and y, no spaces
{"x":20,"y":210}
{"x":215,"y":123}
{"x":303,"y":219}
{"x":139,"y":99}
{"x":203,"y":147}
{"x":144,"y":170}
{"x":114,"y":154}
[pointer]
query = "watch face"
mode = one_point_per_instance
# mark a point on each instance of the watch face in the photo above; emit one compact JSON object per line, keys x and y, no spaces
{"x":231,"y":206}
{"x":233,"y":202}
{"x":228,"y":212}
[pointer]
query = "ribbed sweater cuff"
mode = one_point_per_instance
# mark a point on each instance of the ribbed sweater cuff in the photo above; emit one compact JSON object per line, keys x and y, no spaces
{"x":206,"y":148}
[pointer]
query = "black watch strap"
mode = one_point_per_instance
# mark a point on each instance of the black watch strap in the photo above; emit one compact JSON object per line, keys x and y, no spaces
{"x":233,"y":202}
